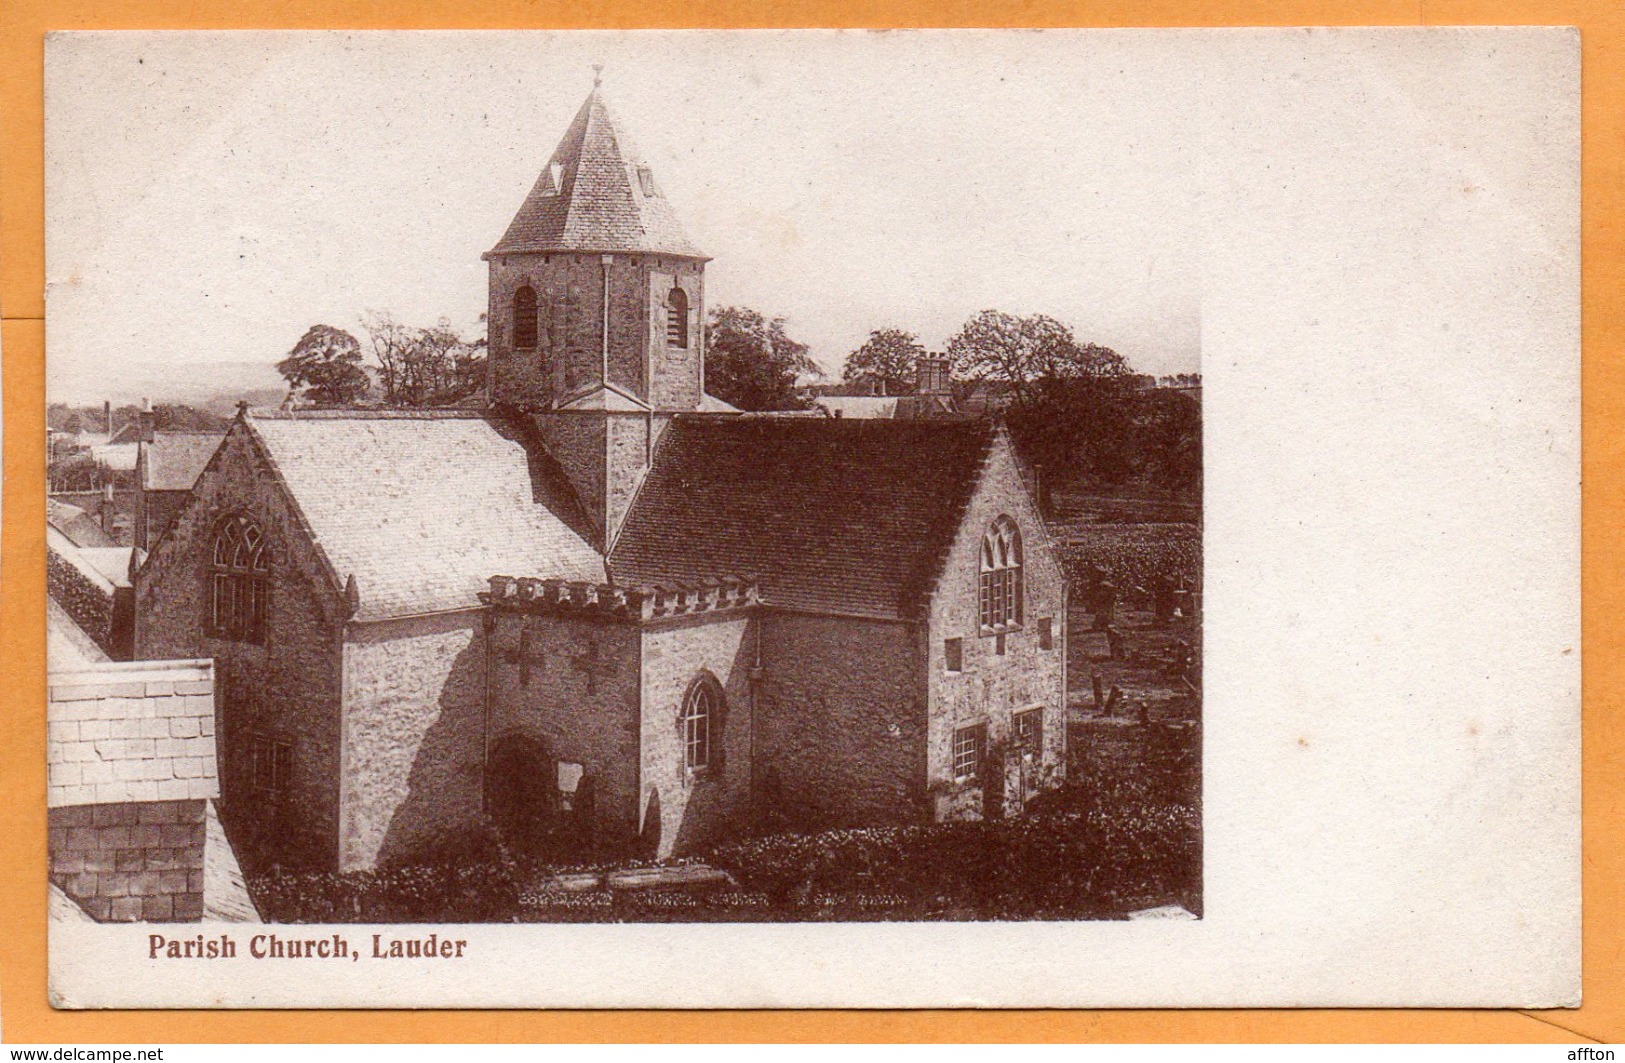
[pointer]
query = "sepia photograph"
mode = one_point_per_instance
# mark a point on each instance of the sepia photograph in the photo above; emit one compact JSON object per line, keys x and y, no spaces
{"x":502,"y":484}
{"x":609,"y":593}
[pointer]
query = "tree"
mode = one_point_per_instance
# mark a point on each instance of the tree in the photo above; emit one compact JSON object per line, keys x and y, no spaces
{"x":326,"y":365}
{"x":1070,"y":403}
{"x":1028,"y":353}
{"x":175,"y":417}
{"x":889,"y":357}
{"x":752,"y":363}
{"x":433,"y":366}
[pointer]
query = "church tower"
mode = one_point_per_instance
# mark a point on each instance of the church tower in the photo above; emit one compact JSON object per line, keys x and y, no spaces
{"x":597,"y":311}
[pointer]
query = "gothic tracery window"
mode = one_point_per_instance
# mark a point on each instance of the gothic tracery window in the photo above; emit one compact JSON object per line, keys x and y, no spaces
{"x":999,"y":581}
{"x":239,"y":582}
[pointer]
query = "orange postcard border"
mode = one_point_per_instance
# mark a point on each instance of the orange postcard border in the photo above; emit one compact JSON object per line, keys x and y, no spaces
{"x":27,"y":1017}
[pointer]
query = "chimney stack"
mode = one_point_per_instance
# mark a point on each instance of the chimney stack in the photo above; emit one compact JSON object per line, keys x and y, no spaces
{"x":931,"y":376}
{"x":145,"y":422}
{"x":107,"y":417}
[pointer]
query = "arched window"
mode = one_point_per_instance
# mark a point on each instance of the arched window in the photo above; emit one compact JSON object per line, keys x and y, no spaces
{"x":999,"y":582}
{"x":524,"y":318}
{"x":677,"y":318}
{"x":240,"y":581}
{"x":702,"y":724}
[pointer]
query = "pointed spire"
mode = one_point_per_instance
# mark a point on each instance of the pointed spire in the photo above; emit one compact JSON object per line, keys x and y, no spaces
{"x":596,"y":195}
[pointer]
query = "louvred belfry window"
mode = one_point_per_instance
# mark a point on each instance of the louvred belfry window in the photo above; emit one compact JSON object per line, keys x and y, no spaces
{"x":999,"y":581}
{"x":240,"y":581}
{"x":524,"y":318}
{"x":677,"y":318}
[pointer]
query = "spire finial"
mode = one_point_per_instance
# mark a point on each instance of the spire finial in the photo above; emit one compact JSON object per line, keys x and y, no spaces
{"x":597,"y":74}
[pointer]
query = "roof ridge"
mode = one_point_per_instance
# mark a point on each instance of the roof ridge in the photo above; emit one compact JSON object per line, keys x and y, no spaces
{"x":436,"y":413}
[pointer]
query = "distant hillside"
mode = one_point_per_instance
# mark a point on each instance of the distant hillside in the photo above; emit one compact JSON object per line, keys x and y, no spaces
{"x":216,"y":386}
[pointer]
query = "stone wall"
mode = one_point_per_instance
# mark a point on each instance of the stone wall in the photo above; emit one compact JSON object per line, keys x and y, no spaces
{"x":571,"y":686}
{"x":155,"y":511}
{"x":568,"y":356}
{"x":131,"y":861}
{"x":991,"y":687}
{"x":413,"y":736}
{"x":286,"y":690}
{"x":696,"y":808}
{"x":87,"y":596}
{"x":841,"y":729}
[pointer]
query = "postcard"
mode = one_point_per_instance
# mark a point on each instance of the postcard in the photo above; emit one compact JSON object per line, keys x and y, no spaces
{"x":809,"y":518}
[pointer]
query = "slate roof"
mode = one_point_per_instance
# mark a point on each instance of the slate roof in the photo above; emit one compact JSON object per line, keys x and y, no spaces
{"x":102,"y":721}
{"x":849,"y":517}
{"x":174,"y":460}
{"x":423,"y":507}
{"x":79,"y":527}
{"x":598,"y":202}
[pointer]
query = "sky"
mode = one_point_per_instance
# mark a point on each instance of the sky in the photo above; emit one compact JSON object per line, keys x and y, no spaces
{"x":211,"y":196}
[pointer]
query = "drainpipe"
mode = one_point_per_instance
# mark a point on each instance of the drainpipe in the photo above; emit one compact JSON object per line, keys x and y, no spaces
{"x":755,"y":707}
{"x":488,"y":623}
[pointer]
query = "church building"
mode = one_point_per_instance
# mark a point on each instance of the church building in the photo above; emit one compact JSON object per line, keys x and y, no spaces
{"x":608,"y":613}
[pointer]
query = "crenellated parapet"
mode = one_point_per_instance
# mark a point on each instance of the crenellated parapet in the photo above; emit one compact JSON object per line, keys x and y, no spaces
{"x":634,"y":604}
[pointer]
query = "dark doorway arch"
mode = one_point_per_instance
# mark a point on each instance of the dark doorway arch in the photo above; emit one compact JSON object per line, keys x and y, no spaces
{"x":522,"y":793}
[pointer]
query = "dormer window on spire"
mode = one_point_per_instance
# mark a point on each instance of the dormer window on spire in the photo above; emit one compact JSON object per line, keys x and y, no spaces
{"x":646,"y":180}
{"x":555,"y":178}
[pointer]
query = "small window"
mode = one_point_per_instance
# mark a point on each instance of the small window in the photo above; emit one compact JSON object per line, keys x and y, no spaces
{"x":646,"y":180}
{"x":1046,"y":634}
{"x":240,"y":581}
{"x":677,"y":318}
{"x":524,"y":318}
{"x":701,"y":712}
{"x":953,"y":655}
{"x":970,"y":743}
{"x":272,"y":767}
{"x":1028,"y":730}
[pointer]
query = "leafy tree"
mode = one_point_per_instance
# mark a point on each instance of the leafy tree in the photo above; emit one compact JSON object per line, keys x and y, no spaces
{"x":1170,"y":437}
{"x":1028,"y":352}
{"x":752,"y":363}
{"x":889,"y":357}
{"x":176,"y":417}
{"x":433,"y":366}
{"x":62,"y":417}
{"x":326,"y":364}
{"x":1070,"y":403}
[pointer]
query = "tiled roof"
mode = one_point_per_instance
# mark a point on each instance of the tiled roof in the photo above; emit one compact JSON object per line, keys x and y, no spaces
{"x":591,"y":197}
{"x":79,"y":527}
{"x":131,"y":731}
{"x":851,"y":517}
{"x":174,"y":460}
{"x":422,"y":508}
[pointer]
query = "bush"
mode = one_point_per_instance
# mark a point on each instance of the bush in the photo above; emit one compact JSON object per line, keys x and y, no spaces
{"x":463,"y":876}
{"x":1125,"y":834}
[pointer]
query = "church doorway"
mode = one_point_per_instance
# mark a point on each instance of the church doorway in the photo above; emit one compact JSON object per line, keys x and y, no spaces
{"x":522,"y":792}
